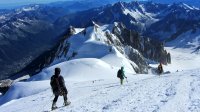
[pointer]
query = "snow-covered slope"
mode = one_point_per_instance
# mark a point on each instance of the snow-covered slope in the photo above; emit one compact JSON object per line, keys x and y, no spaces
{"x":172,"y":92}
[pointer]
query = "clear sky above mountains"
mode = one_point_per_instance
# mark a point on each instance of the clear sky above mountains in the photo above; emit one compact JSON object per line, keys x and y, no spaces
{"x":15,"y":3}
{"x":28,"y":1}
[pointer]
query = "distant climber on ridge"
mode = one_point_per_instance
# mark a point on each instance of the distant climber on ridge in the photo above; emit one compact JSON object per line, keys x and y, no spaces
{"x":160,"y":68}
{"x":121,"y":75}
{"x":58,"y":87}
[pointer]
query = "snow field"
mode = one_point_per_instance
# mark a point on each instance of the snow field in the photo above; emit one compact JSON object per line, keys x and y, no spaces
{"x":150,"y":93}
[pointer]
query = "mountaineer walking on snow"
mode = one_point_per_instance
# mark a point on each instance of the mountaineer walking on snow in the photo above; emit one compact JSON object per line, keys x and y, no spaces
{"x":121,"y":75}
{"x":58,"y":88}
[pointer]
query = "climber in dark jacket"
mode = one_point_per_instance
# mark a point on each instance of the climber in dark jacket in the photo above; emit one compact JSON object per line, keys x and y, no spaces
{"x":160,"y":68}
{"x":58,"y":87}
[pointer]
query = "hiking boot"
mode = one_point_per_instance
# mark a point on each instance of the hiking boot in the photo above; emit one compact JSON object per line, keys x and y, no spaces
{"x":66,"y":103}
{"x":54,"y":106}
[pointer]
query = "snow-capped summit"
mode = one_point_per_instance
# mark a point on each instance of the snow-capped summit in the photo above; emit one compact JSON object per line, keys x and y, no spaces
{"x":27,"y":8}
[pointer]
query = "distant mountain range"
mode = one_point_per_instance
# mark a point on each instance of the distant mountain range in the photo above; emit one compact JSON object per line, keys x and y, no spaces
{"x":190,"y":2}
{"x":159,"y":21}
{"x":24,"y":34}
{"x":32,"y":32}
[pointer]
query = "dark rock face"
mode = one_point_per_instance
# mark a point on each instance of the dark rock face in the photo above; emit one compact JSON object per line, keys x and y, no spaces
{"x":150,"y":49}
{"x":5,"y":85}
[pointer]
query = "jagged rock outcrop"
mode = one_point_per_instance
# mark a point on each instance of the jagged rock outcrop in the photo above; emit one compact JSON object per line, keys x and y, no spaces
{"x":150,"y":49}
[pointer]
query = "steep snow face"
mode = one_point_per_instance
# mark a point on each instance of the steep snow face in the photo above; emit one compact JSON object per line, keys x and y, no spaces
{"x":141,"y":15}
{"x":94,"y":42}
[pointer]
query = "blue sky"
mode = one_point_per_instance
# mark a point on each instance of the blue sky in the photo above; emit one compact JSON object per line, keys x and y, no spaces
{"x":6,"y":4}
{"x":27,"y":1}
{"x":14,"y":3}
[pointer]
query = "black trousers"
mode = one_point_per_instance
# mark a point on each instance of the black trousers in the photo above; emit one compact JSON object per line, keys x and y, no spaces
{"x":56,"y":98}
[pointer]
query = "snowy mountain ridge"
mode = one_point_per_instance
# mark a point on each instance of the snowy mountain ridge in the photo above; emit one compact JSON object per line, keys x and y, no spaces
{"x":98,"y":41}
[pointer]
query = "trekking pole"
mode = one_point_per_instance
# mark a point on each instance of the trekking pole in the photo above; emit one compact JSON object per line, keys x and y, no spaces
{"x":126,"y":80}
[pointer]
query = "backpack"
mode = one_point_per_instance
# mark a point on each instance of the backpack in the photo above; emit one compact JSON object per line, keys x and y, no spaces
{"x":119,"y":73}
{"x":53,"y":82}
{"x":55,"y":86}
